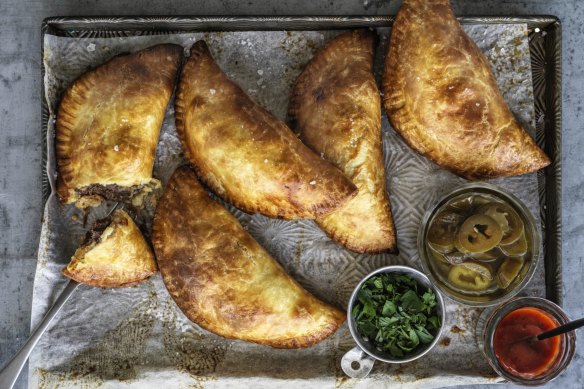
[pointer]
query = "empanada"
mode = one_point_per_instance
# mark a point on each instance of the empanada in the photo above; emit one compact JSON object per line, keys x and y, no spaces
{"x":224,"y":281}
{"x":442,"y":97}
{"x":108,"y":124}
{"x":114,"y":254}
{"x":336,"y":108}
{"x":245,"y":154}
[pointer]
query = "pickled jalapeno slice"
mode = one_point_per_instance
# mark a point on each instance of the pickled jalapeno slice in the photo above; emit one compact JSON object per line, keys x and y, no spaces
{"x":443,"y":230}
{"x":517,"y":248}
{"x":507,"y":218}
{"x":470,"y":276}
{"x":479,"y":233}
{"x":508,"y":271}
{"x":452,"y":258}
{"x":487,"y":256}
{"x":484,"y":270}
{"x":462,"y":204}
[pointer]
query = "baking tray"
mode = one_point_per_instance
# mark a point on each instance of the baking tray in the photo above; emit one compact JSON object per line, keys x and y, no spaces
{"x":545,"y":50}
{"x":542,"y":47}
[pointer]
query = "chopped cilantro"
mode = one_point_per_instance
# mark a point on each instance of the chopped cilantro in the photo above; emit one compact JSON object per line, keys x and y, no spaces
{"x":395,"y":315}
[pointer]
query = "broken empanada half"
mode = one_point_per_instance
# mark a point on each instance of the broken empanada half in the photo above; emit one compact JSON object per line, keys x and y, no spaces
{"x":442,"y":97}
{"x":224,"y":281}
{"x":245,"y":154}
{"x":336,"y":109}
{"x":108,"y":125}
{"x":114,"y":254}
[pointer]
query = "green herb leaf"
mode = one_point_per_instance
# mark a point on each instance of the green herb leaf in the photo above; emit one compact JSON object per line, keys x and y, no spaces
{"x":424,"y":335}
{"x":409,"y":341}
{"x":429,"y":298}
{"x":395,"y":351}
{"x":411,"y":302}
{"x":366,"y":328}
{"x":389,"y":308}
{"x":365,"y":296}
{"x":435,"y":322}
{"x":369,"y":311}
{"x":388,"y":321}
{"x":378,"y":283}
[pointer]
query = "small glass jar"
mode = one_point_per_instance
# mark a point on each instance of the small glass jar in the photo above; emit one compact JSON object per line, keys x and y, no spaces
{"x":487,"y":298}
{"x":491,"y":318}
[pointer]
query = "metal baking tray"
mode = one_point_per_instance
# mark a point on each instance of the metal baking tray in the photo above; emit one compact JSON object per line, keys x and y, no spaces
{"x":545,"y":50}
{"x":206,"y":355}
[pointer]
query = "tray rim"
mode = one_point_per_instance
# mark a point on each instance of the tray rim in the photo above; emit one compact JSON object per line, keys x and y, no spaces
{"x":550,"y":179}
{"x":136,"y":22}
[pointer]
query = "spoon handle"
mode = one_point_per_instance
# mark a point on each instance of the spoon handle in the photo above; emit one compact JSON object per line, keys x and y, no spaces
{"x":571,"y":326}
{"x":11,"y":371}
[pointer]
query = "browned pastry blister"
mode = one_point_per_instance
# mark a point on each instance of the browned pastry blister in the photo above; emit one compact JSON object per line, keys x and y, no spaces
{"x":336,"y":109}
{"x":224,"y":281}
{"x":442,"y":97}
{"x":114,"y":254}
{"x":108,"y":125}
{"x":245,"y":154}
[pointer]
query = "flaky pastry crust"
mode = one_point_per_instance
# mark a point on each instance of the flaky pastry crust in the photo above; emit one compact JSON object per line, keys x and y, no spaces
{"x":118,"y":256}
{"x":224,"y":281}
{"x":336,"y":109}
{"x":108,"y":124}
{"x":245,"y":154}
{"x":442,"y":97}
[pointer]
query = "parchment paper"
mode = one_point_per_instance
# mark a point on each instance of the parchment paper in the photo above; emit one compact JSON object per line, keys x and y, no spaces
{"x":137,"y":337}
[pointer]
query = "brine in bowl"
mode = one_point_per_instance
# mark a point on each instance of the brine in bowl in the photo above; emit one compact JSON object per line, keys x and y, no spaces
{"x":479,"y":244}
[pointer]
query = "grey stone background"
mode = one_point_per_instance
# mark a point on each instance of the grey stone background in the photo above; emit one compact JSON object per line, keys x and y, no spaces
{"x":20,"y":142}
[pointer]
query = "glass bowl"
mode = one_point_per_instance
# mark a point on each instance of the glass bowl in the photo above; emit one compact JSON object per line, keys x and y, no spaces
{"x":487,"y":325}
{"x":494,"y":295}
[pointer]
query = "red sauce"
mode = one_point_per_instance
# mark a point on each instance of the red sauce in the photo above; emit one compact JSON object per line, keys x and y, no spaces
{"x":520,"y":357}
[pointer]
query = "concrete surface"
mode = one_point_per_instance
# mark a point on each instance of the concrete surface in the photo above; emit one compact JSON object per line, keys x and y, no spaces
{"x":20,"y":143}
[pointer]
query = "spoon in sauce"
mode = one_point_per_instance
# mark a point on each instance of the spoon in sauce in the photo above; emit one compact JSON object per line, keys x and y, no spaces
{"x":570,"y":326}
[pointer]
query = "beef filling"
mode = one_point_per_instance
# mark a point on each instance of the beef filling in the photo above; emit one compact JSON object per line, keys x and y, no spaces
{"x":111,"y":192}
{"x":96,"y":231}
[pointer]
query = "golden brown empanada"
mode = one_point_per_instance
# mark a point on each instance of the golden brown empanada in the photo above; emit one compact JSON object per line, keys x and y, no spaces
{"x":336,"y":108}
{"x":108,"y":125}
{"x":441,"y":96}
{"x":114,"y":254}
{"x":224,"y":281}
{"x":244,"y":153}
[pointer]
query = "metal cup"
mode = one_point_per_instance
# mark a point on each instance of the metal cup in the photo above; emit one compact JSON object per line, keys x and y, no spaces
{"x":358,"y":362}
